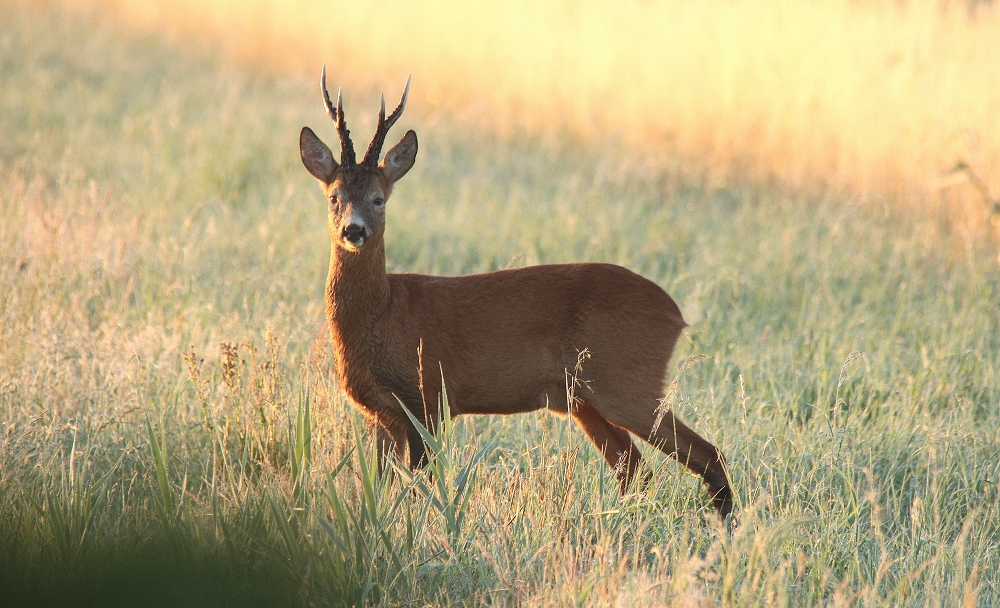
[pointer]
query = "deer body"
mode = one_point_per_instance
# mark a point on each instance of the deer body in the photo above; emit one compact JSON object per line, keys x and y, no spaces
{"x":505,"y":341}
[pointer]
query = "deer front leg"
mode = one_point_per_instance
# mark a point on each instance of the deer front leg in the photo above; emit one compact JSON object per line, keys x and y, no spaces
{"x":397,"y":437}
{"x":418,"y":452}
{"x":384,"y":445}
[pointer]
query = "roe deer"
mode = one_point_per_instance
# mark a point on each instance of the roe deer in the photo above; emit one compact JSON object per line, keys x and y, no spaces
{"x":504,"y":341}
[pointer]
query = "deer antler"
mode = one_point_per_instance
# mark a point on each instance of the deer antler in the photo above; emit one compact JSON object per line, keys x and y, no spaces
{"x":347,"y":157}
{"x":384,"y":124}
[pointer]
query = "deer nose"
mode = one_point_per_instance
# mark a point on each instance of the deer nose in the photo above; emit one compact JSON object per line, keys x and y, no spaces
{"x":355,"y":234}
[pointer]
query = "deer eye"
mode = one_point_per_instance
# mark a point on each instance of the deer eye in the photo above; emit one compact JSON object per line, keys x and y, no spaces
{"x":334,"y":201}
{"x":378,"y":201}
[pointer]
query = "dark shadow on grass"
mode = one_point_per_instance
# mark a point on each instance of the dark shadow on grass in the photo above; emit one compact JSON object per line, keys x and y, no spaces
{"x":143,"y":573}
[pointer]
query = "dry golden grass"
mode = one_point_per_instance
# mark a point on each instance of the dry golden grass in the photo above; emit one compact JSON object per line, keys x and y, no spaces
{"x":874,"y":97}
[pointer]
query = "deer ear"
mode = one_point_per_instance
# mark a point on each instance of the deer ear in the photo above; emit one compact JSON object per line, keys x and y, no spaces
{"x":316,"y":156}
{"x":399,"y":160}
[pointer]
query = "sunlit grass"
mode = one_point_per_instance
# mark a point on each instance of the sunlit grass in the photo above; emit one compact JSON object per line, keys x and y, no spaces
{"x":171,"y":432}
{"x":883,"y":97}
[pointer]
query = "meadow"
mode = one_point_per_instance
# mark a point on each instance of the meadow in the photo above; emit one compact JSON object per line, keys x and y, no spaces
{"x":880,"y":97}
{"x":172,"y":433}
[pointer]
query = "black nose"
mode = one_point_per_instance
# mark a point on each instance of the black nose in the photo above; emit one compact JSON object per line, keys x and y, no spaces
{"x":355,"y":233}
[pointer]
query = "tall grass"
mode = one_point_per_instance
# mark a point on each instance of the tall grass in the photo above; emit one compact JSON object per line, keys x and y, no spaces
{"x":171,"y":431}
{"x":872,"y":96}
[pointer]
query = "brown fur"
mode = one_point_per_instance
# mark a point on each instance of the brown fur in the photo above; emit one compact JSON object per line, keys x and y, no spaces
{"x":504,"y":341}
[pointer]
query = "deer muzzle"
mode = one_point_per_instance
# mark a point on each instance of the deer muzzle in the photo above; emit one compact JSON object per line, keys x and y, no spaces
{"x":354,"y":234}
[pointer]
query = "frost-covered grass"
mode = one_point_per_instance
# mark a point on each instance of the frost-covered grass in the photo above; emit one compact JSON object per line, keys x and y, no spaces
{"x":171,"y":432}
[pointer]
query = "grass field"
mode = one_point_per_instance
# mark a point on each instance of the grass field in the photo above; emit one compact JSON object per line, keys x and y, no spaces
{"x":882,"y":96}
{"x":171,"y":432}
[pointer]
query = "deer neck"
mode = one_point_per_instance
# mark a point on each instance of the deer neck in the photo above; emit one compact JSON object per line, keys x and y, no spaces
{"x":357,"y":293}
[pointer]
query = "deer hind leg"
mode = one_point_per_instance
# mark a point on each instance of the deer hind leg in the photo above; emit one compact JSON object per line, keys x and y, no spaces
{"x":676,"y":440}
{"x":614,"y":443}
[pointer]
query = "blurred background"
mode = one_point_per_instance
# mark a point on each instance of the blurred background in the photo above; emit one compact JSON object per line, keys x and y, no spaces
{"x":883,"y":97}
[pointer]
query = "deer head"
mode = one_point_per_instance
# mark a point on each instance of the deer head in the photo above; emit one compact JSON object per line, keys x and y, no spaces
{"x":357,"y":192}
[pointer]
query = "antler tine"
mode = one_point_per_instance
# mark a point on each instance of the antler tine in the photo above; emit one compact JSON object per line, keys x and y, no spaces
{"x":375,"y":148}
{"x":347,"y":158}
{"x":381,"y":117}
{"x":399,"y":109}
{"x":384,"y":124}
{"x":332,"y":111}
{"x":337,"y":114}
